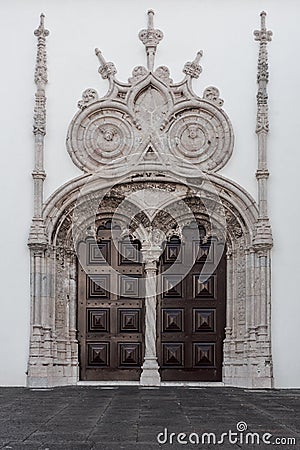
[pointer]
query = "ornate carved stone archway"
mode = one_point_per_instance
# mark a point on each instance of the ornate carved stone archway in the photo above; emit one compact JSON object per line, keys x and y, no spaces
{"x":149,"y":134}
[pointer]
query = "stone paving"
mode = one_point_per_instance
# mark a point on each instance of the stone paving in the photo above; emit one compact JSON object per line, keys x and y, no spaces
{"x":115,"y":418}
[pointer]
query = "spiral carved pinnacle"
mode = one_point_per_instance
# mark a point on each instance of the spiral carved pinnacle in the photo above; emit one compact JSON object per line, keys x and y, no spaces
{"x":263,"y":36}
{"x":40,"y":78}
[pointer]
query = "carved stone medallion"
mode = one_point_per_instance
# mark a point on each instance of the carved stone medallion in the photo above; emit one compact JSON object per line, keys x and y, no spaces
{"x":102,"y":136}
{"x":202,"y":138}
{"x":150,"y":111}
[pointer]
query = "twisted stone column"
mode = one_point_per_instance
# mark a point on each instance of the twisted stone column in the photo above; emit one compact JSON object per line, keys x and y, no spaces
{"x":150,"y":374}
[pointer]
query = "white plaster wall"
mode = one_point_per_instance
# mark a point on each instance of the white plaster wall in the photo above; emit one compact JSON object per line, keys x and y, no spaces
{"x":223,"y":29}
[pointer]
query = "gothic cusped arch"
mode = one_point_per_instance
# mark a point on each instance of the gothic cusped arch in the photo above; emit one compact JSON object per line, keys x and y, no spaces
{"x":242,"y":263}
{"x":150,"y":135}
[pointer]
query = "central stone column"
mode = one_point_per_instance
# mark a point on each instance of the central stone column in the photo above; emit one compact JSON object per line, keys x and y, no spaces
{"x":150,"y":374}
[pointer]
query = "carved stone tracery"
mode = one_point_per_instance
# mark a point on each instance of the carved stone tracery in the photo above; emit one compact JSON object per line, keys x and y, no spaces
{"x":151,"y":134}
{"x":157,"y":112}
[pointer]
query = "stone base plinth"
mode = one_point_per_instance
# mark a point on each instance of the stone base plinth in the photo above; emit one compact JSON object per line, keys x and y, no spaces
{"x":150,"y":374}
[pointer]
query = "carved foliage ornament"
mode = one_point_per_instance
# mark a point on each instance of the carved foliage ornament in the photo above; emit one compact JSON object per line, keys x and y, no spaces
{"x":150,"y":110}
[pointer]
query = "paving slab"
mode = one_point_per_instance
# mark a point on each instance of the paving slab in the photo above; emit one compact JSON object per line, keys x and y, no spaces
{"x":131,"y":418}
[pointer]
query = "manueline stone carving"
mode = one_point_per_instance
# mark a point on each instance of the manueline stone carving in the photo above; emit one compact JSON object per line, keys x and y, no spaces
{"x":150,"y":38}
{"x":262,"y":123}
{"x":147,"y":113}
{"x":194,"y":136}
{"x":37,"y":237}
{"x":263,"y":238}
{"x":141,"y":129}
{"x":241,"y":284}
{"x":41,"y":61}
{"x":212,"y":94}
{"x":263,"y":36}
{"x":163,"y":73}
{"x":39,"y":118}
{"x":40,"y":79}
{"x":193,"y":69}
{"x":106,"y":69}
{"x":88,"y":96}
{"x":138,"y":73}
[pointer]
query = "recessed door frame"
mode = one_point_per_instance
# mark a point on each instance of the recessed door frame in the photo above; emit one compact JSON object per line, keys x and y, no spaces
{"x":53,"y":356}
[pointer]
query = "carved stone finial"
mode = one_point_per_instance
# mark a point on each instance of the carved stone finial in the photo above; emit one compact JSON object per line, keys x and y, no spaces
{"x":263,"y":19}
{"x":39,"y":128}
{"x":150,"y":38}
{"x":263,"y":234}
{"x":150,"y":19}
{"x":263,"y":36}
{"x":142,"y":121}
{"x":193,"y":69}
{"x":41,"y":31}
{"x":41,"y":63}
{"x":40,"y":79}
{"x":106,"y":69}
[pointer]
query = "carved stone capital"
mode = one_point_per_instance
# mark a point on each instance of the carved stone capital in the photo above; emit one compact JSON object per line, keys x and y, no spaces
{"x":263,"y":236}
{"x":37,"y":236}
{"x":151,"y":248}
{"x":150,"y":258}
{"x":38,"y":248}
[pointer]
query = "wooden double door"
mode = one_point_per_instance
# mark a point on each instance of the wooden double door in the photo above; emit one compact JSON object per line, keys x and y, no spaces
{"x":111,"y":312}
{"x":191,"y":313}
{"x":110,"y":308}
